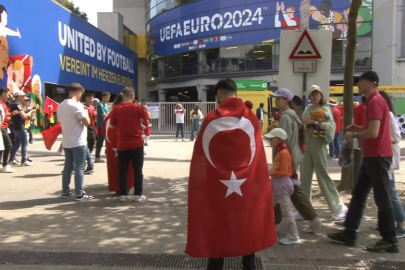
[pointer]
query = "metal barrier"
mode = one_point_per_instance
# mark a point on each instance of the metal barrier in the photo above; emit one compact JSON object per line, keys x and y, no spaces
{"x":166,"y":121}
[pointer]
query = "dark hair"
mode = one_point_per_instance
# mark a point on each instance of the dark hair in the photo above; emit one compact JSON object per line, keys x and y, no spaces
{"x":261,"y":104}
{"x":89,"y":94}
{"x":227,"y":85}
{"x":3,"y":90}
{"x":297,"y":100}
{"x":388,"y":100}
{"x":118,"y":100}
{"x":2,"y":9}
{"x":75,"y":87}
{"x":363,"y":99}
{"x":128,"y":92}
{"x":105,"y":94}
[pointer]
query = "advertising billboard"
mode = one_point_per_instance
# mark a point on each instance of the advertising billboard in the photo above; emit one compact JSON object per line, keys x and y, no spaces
{"x":211,"y":23}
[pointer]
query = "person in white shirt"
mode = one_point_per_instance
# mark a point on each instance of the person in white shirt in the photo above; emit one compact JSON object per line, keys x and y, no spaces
{"x":74,"y":120}
{"x":179,"y":111}
{"x":197,"y":116}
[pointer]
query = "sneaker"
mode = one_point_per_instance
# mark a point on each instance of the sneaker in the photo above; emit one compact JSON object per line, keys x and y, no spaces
{"x":330,"y":157}
{"x":14,"y":162}
{"x":60,"y":153}
{"x":176,"y":140}
{"x":400,"y":232}
{"x":297,"y":216}
{"x":89,"y":171}
{"x":1,"y":167}
{"x":84,"y":196}
{"x":27,"y":164}
{"x":7,"y":169}
{"x":139,"y":198}
{"x":66,"y":195}
{"x":122,"y":198}
{"x":288,"y":241}
{"x":314,"y":226}
{"x":340,"y":237}
{"x":340,"y":214}
{"x":99,"y":160}
{"x":383,"y":245}
{"x":30,"y":160}
{"x":183,"y":140}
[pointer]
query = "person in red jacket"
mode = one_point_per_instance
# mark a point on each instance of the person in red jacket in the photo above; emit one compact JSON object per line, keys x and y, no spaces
{"x":334,"y":147}
{"x":359,"y":111}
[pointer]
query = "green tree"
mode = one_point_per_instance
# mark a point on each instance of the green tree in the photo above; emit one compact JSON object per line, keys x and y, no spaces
{"x":71,"y":6}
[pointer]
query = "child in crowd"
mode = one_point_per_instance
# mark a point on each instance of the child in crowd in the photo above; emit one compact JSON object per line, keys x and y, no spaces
{"x":283,"y":187}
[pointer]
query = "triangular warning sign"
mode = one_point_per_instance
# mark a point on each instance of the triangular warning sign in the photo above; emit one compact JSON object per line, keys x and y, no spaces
{"x":305,"y":48}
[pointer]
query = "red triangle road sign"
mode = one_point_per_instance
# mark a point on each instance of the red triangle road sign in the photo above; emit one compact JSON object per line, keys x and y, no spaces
{"x":305,"y":48}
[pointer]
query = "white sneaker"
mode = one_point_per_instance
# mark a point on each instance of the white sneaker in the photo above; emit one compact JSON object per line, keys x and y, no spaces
{"x":27,"y":163}
{"x":139,"y":198}
{"x":176,"y":140}
{"x":14,"y":162}
{"x":288,"y":241}
{"x":122,"y":198}
{"x":314,"y":226}
{"x":7,"y":169}
{"x":183,"y":140}
{"x":340,"y":214}
{"x":297,"y":216}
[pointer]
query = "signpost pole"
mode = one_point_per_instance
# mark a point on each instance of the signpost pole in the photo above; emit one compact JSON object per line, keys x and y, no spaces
{"x":304,"y":91}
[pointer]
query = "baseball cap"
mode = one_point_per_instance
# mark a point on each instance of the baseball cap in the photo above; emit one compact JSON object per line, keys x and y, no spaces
{"x":333,"y":103}
{"x":277,"y":133}
{"x":26,"y":98}
{"x":371,"y":76}
{"x":19,"y":93}
{"x":285,"y":93}
{"x":315,"y":88}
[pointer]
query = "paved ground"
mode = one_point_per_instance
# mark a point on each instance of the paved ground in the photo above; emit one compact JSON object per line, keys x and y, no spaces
{"x":34,"y":218}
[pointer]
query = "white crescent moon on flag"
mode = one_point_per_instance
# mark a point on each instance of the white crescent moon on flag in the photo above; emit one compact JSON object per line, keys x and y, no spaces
{"x":228,"y":123}
{"x":107,"y":127}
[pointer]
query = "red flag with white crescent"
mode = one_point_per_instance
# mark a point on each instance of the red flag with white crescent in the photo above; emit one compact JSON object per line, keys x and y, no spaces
{"x":50,"y":107}
{"x":230,"y":202}
{"x":112,"y":158}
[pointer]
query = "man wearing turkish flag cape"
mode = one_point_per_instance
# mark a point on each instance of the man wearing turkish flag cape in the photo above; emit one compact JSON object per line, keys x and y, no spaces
{"x":230,"y":202}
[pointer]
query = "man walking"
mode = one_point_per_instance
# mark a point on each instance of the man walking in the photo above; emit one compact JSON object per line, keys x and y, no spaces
{"x":377,"y":159}
{"x":260,"y":112}
{"x":91,"y":129}
{"x":179,"y":111}
{"x":126,"y":118}
{"x":4,"y":155}
{"x":229,"y":185}
{"x":334,"y":147}
{"x":74,"y":120}
{"x":102,"y":111}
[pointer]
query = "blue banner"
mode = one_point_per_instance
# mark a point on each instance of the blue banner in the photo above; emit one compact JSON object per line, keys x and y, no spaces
{"x":209,"y":24}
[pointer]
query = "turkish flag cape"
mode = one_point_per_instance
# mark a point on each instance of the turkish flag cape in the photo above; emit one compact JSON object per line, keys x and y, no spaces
{"x":50,"y":107}
{"x":230,"y":202}
{"x":112,"y":158}
{"x":50,"y":135}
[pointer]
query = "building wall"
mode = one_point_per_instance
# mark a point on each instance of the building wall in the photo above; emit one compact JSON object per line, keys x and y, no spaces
{"x":112,"y":23}
{"x":133,"y":12}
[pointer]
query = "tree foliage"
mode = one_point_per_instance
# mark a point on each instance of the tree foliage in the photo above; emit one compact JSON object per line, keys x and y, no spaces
{"x":76,"y":10}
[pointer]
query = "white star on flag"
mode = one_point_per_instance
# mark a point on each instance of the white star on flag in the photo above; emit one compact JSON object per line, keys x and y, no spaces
{"x":116,"y":153}
{"x":233,"y":185}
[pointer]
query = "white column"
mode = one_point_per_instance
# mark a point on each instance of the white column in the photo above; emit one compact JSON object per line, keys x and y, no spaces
{"x":202,"y":92}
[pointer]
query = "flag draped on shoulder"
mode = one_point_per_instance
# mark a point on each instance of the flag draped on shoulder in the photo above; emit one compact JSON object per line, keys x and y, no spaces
{"x":230,"y":196}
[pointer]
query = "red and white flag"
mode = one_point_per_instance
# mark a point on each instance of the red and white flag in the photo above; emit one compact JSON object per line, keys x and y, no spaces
{"x":50,"y":107}
{"x":230,"y":202}
{"x":112,"y":158}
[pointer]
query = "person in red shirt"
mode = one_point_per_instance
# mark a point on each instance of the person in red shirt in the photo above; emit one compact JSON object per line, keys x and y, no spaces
{"x":126,"y":118}
{"x":377,"y":159}
{"x":4,"y":93}
{"x":91,"y":129}
{"x":334,"y":147}
{"x":359,"y":112}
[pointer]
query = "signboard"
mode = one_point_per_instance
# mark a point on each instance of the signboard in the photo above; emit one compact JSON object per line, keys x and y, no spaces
{"x":304,"y":66}
{"x":391,"y":89}
{"x":228,"y":23}
{"x":252,"y":85}
{"x":154,"y":110}
{"x":304,"y":11}
{"x":305,"y":48}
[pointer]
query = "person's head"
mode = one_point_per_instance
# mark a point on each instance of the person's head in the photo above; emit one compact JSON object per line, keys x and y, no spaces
{"x":368,"y":83}
{"x":388,"y":100}
{"x":27,"y":101}
{"x":105,"y":97}
{"x":196,"y":108}
{"x":19,"y":96}
{"x":296,"y":103}
{"x":129,"y":94}
{"x":18,"y":68}
{"x":363,"y":99}
{"x":4,"y":92}
{"x":290,"y":12}
{"x":325,"y":8}
{"x":96,"y":101}
{"x":76,"y":91}
{"x":276,"y":136}
{"x":283,"y":98}
{"x":249,"y":104}
{"x":3,"y":16}
{"x":4,"y":56}
{"x":316,"y":96}
{"x":89,"y":98}
{"x":118,"y":100}
{"x":225,"y":88}
{"x":261,"y":105}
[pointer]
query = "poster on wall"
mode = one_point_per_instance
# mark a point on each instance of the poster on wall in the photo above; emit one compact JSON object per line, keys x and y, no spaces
{"x":58,"y":47}
{"x":240,"y":22}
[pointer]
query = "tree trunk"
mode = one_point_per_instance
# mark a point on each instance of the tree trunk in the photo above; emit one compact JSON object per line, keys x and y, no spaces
{"x":346,"y":182}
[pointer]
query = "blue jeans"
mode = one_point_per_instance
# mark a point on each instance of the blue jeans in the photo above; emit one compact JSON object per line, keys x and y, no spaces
{"x":77,"y":157}
{"x":21,"y":139}
{"x":89,"y":160}
{"x":195,"y":127}
{"x":399,"y":213}
{"x":180,"y":128}
{"x":334,"y":147}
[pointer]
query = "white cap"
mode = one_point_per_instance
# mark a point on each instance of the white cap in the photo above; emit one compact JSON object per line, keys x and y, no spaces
{"x":277,"y":133}
{"x":315,"y":88}
{"x":19,"y":93}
